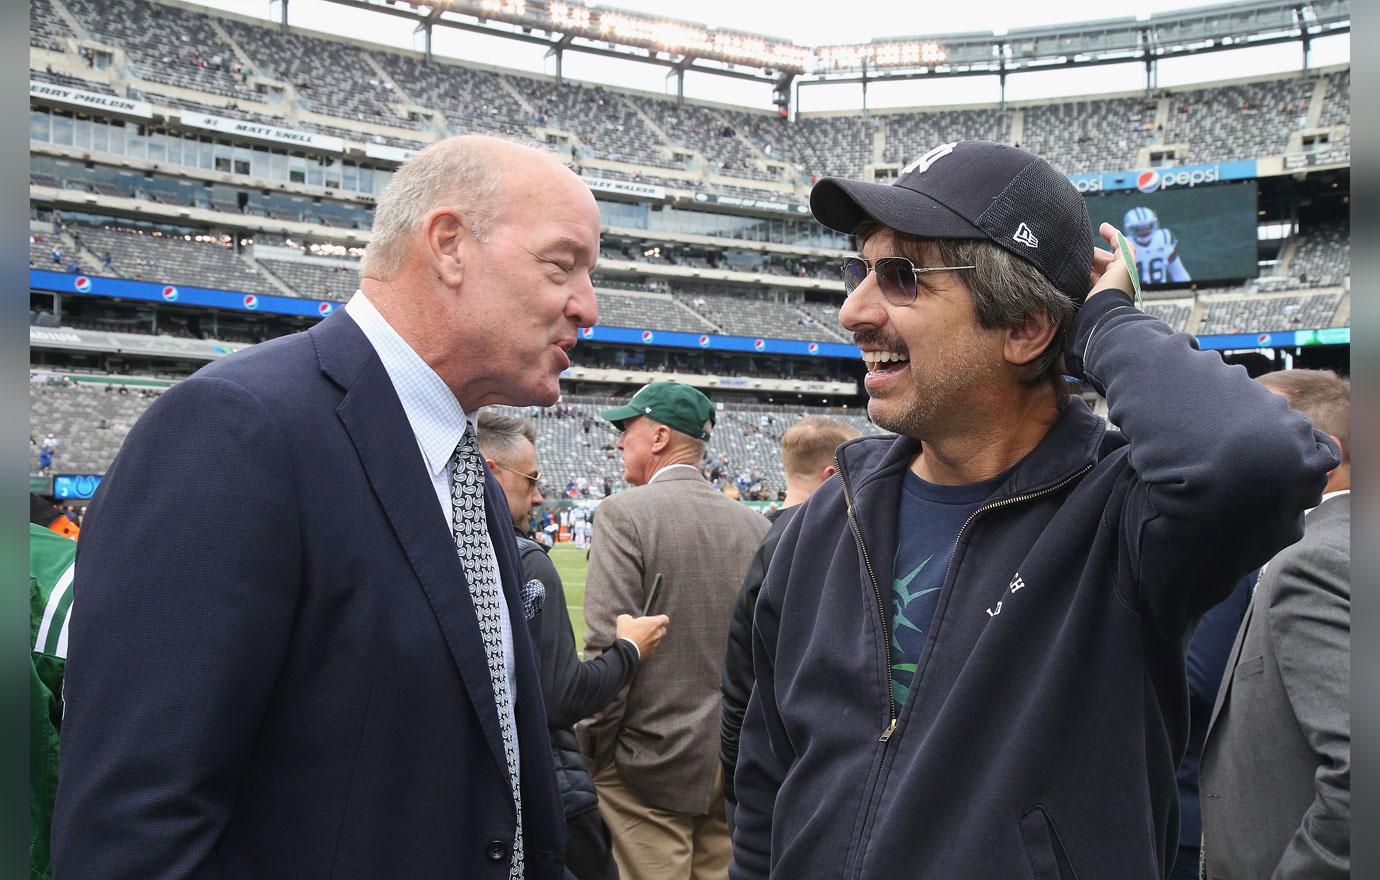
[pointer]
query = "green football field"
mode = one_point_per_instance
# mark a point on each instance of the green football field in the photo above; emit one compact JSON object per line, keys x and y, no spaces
{"x":570,"y":565}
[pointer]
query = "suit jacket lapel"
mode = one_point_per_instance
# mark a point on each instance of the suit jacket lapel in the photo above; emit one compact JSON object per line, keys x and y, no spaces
{"x":378,"y":427}
{"x":1232,"y":659}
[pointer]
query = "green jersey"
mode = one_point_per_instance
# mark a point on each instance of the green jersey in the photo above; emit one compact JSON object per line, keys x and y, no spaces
{"x":52,"y":559}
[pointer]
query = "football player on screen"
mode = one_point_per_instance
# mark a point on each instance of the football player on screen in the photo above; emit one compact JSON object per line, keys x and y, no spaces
{"x":1157,"y":250}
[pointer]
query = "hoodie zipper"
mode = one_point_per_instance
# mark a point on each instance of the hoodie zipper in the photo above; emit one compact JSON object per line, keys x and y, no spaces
{"x":877,"y":592}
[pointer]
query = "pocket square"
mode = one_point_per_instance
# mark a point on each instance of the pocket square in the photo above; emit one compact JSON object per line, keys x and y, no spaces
{"x":533,"y":597}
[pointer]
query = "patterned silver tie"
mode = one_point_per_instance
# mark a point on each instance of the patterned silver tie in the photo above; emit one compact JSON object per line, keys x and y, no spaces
{"x":472,"y":540}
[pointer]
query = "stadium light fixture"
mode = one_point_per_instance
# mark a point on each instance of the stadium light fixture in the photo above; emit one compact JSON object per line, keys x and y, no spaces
{"x":569,"y":16}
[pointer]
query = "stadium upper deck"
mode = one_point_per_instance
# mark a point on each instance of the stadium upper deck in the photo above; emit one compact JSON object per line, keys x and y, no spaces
{"x":243,"y":68}
{"x":169,"y":193}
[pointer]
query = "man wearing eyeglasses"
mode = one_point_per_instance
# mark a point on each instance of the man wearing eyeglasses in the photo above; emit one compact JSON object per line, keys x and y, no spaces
{"x":571,"y":690}
{"x":970,"y":646}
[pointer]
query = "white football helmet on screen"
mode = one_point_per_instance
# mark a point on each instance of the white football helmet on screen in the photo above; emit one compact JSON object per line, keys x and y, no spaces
{"x":1140,"y":225}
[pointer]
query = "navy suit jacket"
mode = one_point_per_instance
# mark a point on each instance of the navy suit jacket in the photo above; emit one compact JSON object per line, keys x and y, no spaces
{"x":291,"y":681}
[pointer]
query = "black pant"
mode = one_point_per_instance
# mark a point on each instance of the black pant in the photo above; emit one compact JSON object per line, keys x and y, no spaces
{"x":589,"y":847}
{"x":1186,"y":865}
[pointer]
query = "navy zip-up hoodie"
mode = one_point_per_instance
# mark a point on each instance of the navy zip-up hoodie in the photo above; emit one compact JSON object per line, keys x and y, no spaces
{"x":1050,"y":707}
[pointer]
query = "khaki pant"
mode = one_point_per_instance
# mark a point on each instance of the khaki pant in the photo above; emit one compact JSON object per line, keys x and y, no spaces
{"x":652,"y":844}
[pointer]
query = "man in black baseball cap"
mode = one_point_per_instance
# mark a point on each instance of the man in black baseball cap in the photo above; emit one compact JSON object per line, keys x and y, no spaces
{"x":970,"y":645}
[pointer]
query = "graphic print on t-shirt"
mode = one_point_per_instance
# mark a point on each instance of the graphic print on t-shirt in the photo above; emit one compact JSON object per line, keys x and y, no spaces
{"x":928,"y":521}
{"x":910,"y":610}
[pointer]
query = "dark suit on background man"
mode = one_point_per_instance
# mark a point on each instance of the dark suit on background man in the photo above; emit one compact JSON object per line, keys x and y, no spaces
{"x":297,"y":686}
{"x":1276,"y":772}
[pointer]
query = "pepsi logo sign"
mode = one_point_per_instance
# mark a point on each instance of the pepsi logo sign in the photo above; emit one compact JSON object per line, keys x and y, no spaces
{"x":813,"y":348}
{"x":704,"y":342}
{"x":82,"y":284}
{"x":1150,"y":181}
{"x":1263,"y":339}
{"x":759,"y":344}
{"x":170,"y":293}
{"x":587,"y":332}
{"x":646,"y":336}
{"x":251,"y":301}
{"x":325,"y":308}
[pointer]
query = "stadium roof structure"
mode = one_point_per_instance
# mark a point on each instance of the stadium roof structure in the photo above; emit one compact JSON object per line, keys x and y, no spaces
{"x":682,"y":45}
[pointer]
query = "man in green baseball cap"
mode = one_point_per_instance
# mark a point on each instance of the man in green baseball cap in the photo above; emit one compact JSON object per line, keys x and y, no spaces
{"x":673,"y":404}
{"x":673,"y":545}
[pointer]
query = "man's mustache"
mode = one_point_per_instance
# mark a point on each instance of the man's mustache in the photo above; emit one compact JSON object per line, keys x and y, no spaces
{"x":878,"y":339}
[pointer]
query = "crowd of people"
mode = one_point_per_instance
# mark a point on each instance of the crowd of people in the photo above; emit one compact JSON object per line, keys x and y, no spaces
{"x":979,"y":646}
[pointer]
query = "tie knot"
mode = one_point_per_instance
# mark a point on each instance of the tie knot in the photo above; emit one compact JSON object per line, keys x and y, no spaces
{"x":469,"y":472}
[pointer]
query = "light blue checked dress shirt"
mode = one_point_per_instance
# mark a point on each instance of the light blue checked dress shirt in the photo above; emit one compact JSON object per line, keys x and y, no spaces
{"x":438,"y":423}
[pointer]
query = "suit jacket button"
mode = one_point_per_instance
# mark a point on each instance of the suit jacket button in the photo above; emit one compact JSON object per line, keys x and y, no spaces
{"x":496,"y":850}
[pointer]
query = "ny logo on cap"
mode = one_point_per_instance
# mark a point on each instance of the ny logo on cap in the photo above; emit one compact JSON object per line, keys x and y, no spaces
{"x":1026,"y":237}
{"x":921,"y":165}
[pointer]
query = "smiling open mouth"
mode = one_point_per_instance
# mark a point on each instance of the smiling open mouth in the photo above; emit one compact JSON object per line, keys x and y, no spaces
{"x":882,"y":362}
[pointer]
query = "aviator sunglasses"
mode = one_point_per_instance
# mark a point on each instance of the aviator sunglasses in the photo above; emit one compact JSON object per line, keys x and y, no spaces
{"x":895,"y":276}
{"x":532,"y":479}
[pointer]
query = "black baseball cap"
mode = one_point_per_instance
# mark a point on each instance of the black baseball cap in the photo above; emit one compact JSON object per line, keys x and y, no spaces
{"x":975,"y":189}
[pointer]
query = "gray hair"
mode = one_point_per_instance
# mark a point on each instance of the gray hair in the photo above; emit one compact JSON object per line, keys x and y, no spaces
{"x":1006,"y":290}
{"x":500,"y":435}
{"x":462,"y":171}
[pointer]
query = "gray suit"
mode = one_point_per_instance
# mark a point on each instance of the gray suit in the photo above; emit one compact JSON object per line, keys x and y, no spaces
{"x":662,"y":733}
{"x":1276,"y":775}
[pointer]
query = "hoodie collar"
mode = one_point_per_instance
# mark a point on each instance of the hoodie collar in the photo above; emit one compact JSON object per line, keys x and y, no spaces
{"x":1072,"y":443}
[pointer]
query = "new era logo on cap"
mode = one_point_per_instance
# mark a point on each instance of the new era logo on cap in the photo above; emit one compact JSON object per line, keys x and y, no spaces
{"x":1026,"y":237}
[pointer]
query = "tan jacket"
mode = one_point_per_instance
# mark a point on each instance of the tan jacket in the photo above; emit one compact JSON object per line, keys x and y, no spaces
{"x":662,"y":731}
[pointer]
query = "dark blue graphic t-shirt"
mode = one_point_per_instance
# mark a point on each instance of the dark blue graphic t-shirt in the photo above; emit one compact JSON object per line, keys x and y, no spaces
{"x":928,"y":523}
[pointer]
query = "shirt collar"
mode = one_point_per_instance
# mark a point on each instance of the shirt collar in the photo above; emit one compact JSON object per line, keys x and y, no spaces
{"x":663,"y":470}
{"x":1323,"y":500}
{"x":437,"y":419}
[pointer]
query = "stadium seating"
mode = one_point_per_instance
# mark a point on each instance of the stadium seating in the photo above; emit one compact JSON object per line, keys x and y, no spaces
{"x":825,"y":315}
{"x":1252,"y":314}
{"x":657,"y":311}
{"x":1089,"y":135}
{"x":747,"y":315}
{"x":338,"y":78}
{"x":694,"y":127}
{"x":166,"y":44}
{"x":841,"y":145}
{"x":606,"y":124}
{"x":330,"y":77}
{"x":41,"y":253}
{"x":88,"y":422}
{"x":1336,"y":109}
{"x":1175,"y":314}
{"x":1236,"y":121}
{"x":911,"y":135}
{"x":316,"y":279}
{"x":72,"y":82}
{"x":47,"y":30}
{"x":470,"y":100}
{"x":1323,"y":258}
{"x":779,"y":139}
{"x":174,"y":260}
